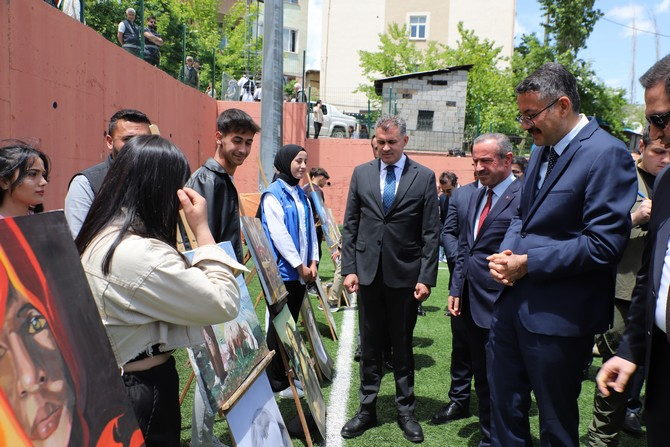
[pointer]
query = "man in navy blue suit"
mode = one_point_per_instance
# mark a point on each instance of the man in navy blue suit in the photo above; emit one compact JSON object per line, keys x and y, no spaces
{"x":557,"y":261}
{"x":460,"y":366}
{"x":473,"y":291}
{"x":646,"y":339}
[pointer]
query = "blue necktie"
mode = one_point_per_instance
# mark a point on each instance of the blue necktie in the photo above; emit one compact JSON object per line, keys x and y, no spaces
{"x":389,"y":188}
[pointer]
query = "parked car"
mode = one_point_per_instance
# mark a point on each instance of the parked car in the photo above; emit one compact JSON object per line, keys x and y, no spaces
{"x":335,"y":123}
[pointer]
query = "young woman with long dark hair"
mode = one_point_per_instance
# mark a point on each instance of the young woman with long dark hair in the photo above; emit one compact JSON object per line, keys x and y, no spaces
{"x":150,"y":298}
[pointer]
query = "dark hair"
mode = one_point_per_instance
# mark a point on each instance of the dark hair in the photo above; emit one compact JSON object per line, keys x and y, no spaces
{"x":236,"y":120}
{"x":314,"y":172}
{"x":552,"y":80}
{"x":132,"y":115}
{"x":139,"y":192}
{"x":19,"y":156}
{"x":151,"y":17}
{"x":646,"y":136}
{"x":448,"y":177}
{"x":521,"y":161}
{"x":659,"y":72}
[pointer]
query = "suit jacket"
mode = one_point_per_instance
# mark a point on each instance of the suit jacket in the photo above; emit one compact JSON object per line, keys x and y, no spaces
{"x":471,"y":263}
{"x":455,"y":220}
{"x":406,"y":237}
{"x":631,"y":260}
{"x":574,"y":230}
{"x":636,"y":342}
{"x":444,"y":207}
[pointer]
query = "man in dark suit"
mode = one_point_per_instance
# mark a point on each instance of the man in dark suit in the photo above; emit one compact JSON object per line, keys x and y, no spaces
{"x":645,"y":341}
{"x":389,"y":256}
{"x":448,"y":182}
{"x":558,"y":261}
{"x":473,"y":291}
{"x":460,"y":367}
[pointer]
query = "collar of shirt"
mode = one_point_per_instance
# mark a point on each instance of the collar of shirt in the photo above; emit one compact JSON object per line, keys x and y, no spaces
{"x":500,"y":188}
{"x":563,"y":143}
{"x":400,"y":164}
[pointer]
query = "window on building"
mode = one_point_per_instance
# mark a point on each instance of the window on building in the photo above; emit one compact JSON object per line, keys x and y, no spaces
{"x":290,"y":40}
{"x":418,"y":27}
{"x":425,"y":120}
{"x":295,"y":2}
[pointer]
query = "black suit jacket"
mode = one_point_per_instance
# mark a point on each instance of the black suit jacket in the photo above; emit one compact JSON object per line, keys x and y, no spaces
{"x":471,"y":263}
{"x":636,"y":342}
{"x":406,"y":237}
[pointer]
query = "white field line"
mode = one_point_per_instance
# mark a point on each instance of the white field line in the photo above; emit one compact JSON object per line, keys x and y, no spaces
{"x":339,"y":393}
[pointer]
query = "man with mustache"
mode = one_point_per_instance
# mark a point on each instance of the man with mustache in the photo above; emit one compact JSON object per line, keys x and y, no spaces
{"x":558,"y":262}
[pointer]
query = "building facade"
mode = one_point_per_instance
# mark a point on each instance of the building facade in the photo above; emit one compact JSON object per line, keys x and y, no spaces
{"x":432,"y":103}
{"x":349,"y":26}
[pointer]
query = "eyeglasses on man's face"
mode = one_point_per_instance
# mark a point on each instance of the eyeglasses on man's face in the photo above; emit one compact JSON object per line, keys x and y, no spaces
{"x":529,"y":119}
{"x":659,"y":120}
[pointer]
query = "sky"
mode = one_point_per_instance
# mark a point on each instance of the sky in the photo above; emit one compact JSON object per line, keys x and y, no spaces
{"x":610,"y":45}
{"x":609,"y":48}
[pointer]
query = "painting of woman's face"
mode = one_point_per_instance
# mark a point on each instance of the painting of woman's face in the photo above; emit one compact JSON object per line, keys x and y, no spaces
{"x":33,"y":373}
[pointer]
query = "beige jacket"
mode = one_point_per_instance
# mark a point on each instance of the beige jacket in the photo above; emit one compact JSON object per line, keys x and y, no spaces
{"x":152,"y":295}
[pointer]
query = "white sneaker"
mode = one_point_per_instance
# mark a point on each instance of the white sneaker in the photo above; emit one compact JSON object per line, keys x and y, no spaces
{"x":288,"y":394}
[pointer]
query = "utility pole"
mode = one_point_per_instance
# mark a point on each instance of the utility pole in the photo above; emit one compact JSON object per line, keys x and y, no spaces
{"x":272,"y":102}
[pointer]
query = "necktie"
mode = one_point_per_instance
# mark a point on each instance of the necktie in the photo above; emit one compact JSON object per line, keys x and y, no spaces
{"x":487,"y":208}
{"x":553,"y":157}
{"x":389,"y":187}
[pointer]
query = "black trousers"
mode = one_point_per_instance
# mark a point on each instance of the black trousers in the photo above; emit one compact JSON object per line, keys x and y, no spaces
{"x":276,"y":370}
{"x":154,"y":395}
{"x":658,"y":391}
{"x":460,"y":368}
{"x":382,"y":312}
{"x":317,"y":129}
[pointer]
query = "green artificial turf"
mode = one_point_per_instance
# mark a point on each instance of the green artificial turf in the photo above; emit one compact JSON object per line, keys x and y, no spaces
{"x":432,"y":347}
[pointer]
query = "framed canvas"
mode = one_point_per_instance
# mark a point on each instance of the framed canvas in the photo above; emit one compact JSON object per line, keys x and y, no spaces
{"x":302,"y":365}
{"x":60,"y":381}
{"x":255,"y":420}
{"x":264,"y":260}
{"x":323,"y":297}
{"x":328,"y":226}
{"x":231,"y":350}
{"x":323,"y":360}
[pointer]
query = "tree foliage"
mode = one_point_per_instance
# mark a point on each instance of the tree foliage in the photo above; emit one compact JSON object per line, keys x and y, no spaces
{"x":569,"y":23}
{"x":203,"y":34}
{"x":489,"y":99}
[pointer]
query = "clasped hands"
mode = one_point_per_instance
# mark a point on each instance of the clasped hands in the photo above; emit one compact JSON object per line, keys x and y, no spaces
{"x":307,"y":273}
{"x":507,"y":268}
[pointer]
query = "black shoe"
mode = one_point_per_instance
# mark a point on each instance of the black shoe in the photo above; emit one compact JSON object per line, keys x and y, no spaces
{"x":410,"y":428}
{"x":420,"y":311}
{"x":632,"y":425}
{"x":451,"y":412}
{"x":388,"y":365}
{"x":358,"y":425}
{"x":357,"y":354}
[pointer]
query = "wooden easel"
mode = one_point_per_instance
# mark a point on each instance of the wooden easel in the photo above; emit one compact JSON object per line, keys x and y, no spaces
{"x":291,"y":378}
{"x":324,"y":367}
{"x":258,"y":369}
